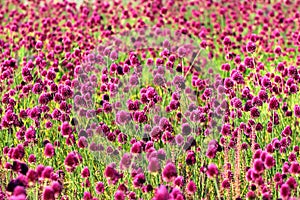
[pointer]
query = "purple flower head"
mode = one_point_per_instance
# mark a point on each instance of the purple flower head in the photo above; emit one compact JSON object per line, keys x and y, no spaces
{"x":169,"y":173}
{"x":100,"y":188}
{"x":291,"y":181}
{"x":66,"y":129}
{"x":48,"y":193}
{"x":125,"y":161}
{"x":136,"y":148}
{"x":226,"y":183}
{"x":179,"y":82}
{"x":161,"y":193}
{"x":30,"y":134}
{"x":32,"y":176}
{"x":191,"y":187}
{"x":294,"y":168}
{"x":285,"y":191}
{"x":179,"y":139}
{"x":113,"y":55}
{"x":82,"y":142}
{"x":186,"y":129}
{"x":139,"y":180}
{"x":39,"y":45}
{"x":72,"y":160}
{"x":159,"y":80}
{"x":123,"y":117}
{"x":181,"y":52}
{"x":57,"y":187}
{"x":190,"y":158}
{"x":154,"y":165}
{"x":119,"y":195}
{"x":258,"y":166}
{"x":269,"y":161}
{"x":254,"y":112}
{"x":85,"y":173}
{"x":226,"y":41}
{"x":49,"y":150}
{"x":212,"y":170}
{"x":273,"y":103}
{"x":297,"y":111}
{"x":87,"y":196}
{"x":250,"y":47}
{"x":249,"y":62}
{"x":47,"y":172}
{"x":19,"y":190}
{"x":228,"y":83}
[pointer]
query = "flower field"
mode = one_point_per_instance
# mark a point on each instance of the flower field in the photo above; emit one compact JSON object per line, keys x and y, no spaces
{"x":149,"y":100}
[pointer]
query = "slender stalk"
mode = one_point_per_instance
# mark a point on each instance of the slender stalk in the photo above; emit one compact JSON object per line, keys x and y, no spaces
{"x":217,"y":189}
{"x":237,"y":166}
{"x":190,"y":67}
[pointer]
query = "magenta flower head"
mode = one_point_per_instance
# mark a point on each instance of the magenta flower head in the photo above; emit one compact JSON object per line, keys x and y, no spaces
{"x":48,"y":193}
{"x":249,"y":62}
{"x":169,"y":172}
{"x":285,"y":191}
{"x":47,"y":172}
{"x":39,"y":45}
{"x":161,"y":193}
{"x":85,"y":173}
{"x":32,"y":176}
{"x":250,"y":47}
{"x":203,"y":44}
{"x":287,"y":131}
{"x":72,"y":160}
{"x":294,"y":168}
{"x":87,"y":196}
{"x":277,"y":50}
{"x":226,"y":41}
{"x":82,"y":142}
{"x":49,"y":150}
{"x":19,"y":190}
{"x":136,"y":148}
{"x":225,"y":183}
{"x":212,"y":170}
{"x":228,"y":83}
{"x":297,"y":111}
{"x":119,"y":195}
{"x":191,"y":187}
{"x":292,"y":183}
{"x":178,"y":181}
{"x":258,"y":166}
{"x":57,"y":187}
{"x":251,"y":195}
{"x":66,"y":129}
{"x":190,"y":158}
{"x":100,"y":188}
{"x":176,"y":194}
{"x":263,"y":95}
{"x":139,"y":180}
{"x":269,"y":161}
{"x":254,"y":112}
{"x":273,"y":104}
